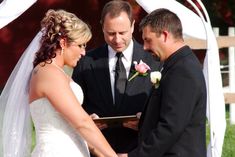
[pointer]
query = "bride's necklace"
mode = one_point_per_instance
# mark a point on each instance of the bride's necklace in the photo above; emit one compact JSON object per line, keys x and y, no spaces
{"x":61,"y":69}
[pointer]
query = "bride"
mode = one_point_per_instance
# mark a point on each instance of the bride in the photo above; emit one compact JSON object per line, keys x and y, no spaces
{"x":39,"y":89}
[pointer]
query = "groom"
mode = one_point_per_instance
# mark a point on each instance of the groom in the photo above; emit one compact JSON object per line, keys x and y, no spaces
{"x":173,"y":122}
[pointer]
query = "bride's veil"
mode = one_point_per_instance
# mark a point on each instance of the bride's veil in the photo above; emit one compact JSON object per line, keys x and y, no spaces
{"x":15,"y":120}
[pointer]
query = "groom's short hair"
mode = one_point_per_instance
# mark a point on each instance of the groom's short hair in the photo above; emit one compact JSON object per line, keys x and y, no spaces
{"x":163,"y":19}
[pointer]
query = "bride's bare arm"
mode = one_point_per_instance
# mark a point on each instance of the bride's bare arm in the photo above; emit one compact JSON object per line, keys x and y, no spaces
{"x":57,"y":89}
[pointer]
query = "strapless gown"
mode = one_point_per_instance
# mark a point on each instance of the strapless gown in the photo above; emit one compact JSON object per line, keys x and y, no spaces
{"x":55,"y":137}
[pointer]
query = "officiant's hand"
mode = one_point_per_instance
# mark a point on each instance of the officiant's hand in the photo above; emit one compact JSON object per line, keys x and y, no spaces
{"x":98,"y":124}
{"x":133,"y":124}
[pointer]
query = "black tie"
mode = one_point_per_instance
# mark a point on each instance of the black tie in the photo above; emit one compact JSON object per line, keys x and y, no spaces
{"x":120,"y":79}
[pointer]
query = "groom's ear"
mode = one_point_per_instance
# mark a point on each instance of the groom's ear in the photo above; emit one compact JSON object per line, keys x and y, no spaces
{"x":165,"y":35}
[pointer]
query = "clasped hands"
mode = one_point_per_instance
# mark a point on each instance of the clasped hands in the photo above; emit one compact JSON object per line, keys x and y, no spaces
{"x":132,"y":124}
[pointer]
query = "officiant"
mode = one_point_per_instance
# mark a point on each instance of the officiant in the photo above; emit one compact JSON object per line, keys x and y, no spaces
{"x":104,"y":72}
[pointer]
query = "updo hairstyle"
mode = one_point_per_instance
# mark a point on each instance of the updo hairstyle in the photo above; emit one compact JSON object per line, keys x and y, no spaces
{"x":55,"y":26}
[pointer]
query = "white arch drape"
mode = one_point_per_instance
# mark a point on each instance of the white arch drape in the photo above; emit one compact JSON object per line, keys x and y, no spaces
{"x":11,"y":9}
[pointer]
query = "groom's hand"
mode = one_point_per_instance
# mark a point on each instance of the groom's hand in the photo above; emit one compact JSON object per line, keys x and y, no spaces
{"x":98,"y":124}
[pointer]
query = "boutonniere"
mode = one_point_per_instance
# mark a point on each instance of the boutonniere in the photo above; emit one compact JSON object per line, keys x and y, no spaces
{"x":155,"y":78}
{"x":140,"y":69}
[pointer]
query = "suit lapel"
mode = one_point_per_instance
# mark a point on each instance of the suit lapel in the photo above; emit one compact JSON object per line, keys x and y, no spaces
{"x":137,"y":56}
{"x":100,"y":67}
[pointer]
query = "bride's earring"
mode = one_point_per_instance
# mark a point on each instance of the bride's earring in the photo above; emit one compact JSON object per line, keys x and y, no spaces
{"x":62,"y":51}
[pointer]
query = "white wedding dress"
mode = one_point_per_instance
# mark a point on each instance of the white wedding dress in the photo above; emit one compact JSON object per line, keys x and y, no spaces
{"x":55,"y":137}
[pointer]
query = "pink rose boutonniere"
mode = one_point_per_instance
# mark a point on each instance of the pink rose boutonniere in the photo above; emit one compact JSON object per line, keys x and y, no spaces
{"x":140,"y":69}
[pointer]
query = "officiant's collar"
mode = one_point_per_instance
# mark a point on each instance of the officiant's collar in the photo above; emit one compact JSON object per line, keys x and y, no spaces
{"x":127,"y":53}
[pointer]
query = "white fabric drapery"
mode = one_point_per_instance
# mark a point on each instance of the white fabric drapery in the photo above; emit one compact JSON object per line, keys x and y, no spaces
{"x":11,"y":9}
{"x":15,"y":121}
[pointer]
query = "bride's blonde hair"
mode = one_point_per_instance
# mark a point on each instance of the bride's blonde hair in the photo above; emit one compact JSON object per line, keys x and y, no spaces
{"x":59,"y":24}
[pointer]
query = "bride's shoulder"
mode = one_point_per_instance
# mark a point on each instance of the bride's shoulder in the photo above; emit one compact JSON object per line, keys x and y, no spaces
{"x":48,"y":72}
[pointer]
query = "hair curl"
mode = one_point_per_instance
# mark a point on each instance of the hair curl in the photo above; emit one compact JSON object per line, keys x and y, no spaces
{"x":56,"y":25}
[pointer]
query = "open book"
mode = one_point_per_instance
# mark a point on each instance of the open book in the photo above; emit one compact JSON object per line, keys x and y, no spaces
{"x":116,"y":120}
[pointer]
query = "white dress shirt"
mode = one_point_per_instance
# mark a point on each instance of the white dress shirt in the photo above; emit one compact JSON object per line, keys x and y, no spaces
{"x":126,"y":60}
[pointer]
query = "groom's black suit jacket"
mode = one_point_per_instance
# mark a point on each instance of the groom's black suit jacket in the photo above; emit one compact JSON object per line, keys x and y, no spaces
{"x":173,"y":122}
{"x":92,"y":74}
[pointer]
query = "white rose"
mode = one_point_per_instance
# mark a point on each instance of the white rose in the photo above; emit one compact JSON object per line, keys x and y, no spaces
{"x":155,"y":78}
